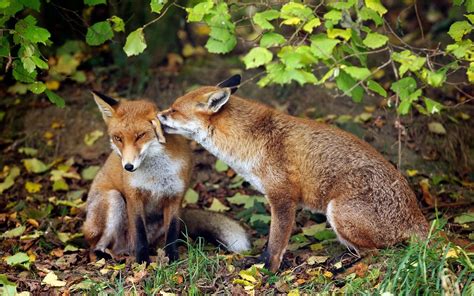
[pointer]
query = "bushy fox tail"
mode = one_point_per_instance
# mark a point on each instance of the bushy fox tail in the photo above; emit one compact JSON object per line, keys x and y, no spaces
{"x":215,"y":228}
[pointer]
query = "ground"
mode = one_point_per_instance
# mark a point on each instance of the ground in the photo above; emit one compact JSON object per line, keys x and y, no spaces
{"x":50,"y":155}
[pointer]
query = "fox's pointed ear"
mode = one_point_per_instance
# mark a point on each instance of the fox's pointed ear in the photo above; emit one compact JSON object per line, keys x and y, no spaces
{"x":217,"y":99}
{"x":158,"y":131}
{"x":233,"y":83}
{"x":106,"y":104}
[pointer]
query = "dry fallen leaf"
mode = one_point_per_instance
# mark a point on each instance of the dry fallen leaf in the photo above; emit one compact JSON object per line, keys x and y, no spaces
{"x":51,"y":279}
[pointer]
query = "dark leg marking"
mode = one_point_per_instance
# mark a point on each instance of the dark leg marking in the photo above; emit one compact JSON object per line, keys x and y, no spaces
{"x":171,"y":248}
{"x":141,"y":248}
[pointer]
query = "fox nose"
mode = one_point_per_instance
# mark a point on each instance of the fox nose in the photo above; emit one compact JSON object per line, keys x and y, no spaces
{"x":161,"y":116}
{"x":128,"y":167}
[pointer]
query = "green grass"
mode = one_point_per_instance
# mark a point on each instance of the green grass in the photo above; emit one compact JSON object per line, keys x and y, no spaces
{"x":432,"y":267}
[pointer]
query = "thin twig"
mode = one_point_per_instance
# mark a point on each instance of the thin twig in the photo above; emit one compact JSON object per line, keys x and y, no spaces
{"x":419,"y":20}
{"x":158,"y":18}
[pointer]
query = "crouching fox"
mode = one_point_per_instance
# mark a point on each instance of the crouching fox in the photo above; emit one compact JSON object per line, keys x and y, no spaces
{"x":135,"y":199}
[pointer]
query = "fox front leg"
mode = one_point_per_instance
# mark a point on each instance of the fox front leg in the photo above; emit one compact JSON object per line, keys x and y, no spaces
{"x":137,"y":230}
{"x":172,"y":227}
{"x":283,"y":212}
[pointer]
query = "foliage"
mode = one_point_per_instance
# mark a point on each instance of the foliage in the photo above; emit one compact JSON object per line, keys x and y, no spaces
{"x":306,"y":43}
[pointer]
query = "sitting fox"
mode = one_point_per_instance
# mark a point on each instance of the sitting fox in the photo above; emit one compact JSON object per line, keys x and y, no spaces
{"x":135,"y":199}
{"x":300,"y":162}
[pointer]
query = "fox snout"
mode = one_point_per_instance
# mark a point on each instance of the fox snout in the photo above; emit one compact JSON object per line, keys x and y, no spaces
{"x":129,"y":167}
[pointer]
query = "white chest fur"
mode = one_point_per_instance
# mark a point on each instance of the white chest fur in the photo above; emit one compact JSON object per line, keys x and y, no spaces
{"x":158,"y":174}
{"x":243,"y":168}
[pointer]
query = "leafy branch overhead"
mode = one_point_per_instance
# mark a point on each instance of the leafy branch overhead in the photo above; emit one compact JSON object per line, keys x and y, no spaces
{"x":292,"y":41}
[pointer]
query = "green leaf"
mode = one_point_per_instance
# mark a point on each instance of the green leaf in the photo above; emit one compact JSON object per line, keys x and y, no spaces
{"x":377,"y":88}
{"x":325,"y":234}
{"x":408,"y":61}
{"x":15,"y":232}
{"x":322,"y":46}
{"x":333,"y":15}
{"x":264,"y":218}
{"x":90,"y":172}
{"x":94,"y":2}
{"x":34,"y":165}
{"x":366,"y":14}
{"x":157,"y":5}
{"x":135,"y":43}
{"x":8,"y":182}
{"x":432,"y":106}
{"x":37,"y":87}
{"x":55,"y":99}
{"x":191,"y":196}
{"x":357,"y":72}
{"x":345,"y":82}
{"x":98,"y":33}
{"x":60,"y":185}
{"x":196,"y":13}
{"x":19,"y":259}
{"x":459,"y":29}
{"x":271,"y":39}
{"x":33,"y":4}
{"x":464,"y":218}
{"x":117,"y":23}
{"x":310,"y":25}
{"x":218,"y":46}
{"x":26,"y":29}
{"x":313,"y":229}
{"x":461,"y":49}
{"x":262,"y":19}
{"x":435,"y":79}
{"x":21,"y":74}
{"x":404,"y":87}
{"x":294,"y":13}
{"x":221,"y":166}
{"x":376,"y":6}
{"x":470,"y":17}
{"x":4,"y":46}
{"x":257,"y":57}
{"x":4,"y":4}
{"x":375,"y":40}
{"x":436,"y":128}
{"x":9,"y":288}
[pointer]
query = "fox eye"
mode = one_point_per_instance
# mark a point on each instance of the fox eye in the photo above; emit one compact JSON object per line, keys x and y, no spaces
{"x":117,"y":138}
{"x":140,"y":136}
{"x":173,"y":111}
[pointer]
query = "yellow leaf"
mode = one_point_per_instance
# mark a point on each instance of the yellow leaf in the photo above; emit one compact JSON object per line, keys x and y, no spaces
{"x":48,"y":135}
{"x":33,"y":222}
{"x":294,"y":292}
{"x":33,"y":187}
{"x":452,"y":253}
{"x":218,"y":206}
{"x":292,"y":21}
{"x":92,"y":137}
{"x":328,"y":274}
{"x":51,"y":279}
{"x":412,"y":173}
{"x":52,"y":84}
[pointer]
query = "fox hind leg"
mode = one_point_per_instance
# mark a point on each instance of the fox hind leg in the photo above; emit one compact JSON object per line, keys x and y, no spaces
{"x":105,"y":223}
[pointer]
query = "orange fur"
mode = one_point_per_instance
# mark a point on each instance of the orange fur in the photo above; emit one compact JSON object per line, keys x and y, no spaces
{"x":118,"y":202}
{"x":299,"y":162}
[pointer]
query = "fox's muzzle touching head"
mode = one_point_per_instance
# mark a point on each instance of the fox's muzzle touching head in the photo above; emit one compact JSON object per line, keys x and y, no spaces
{"x":189,"y":115}
{"x":133,"y":129}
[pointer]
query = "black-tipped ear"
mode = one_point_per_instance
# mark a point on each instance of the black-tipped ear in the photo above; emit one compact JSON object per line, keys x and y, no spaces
{"x":106,"y":105}
{"x":233,"y":83}
{"x":107,"y":99}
